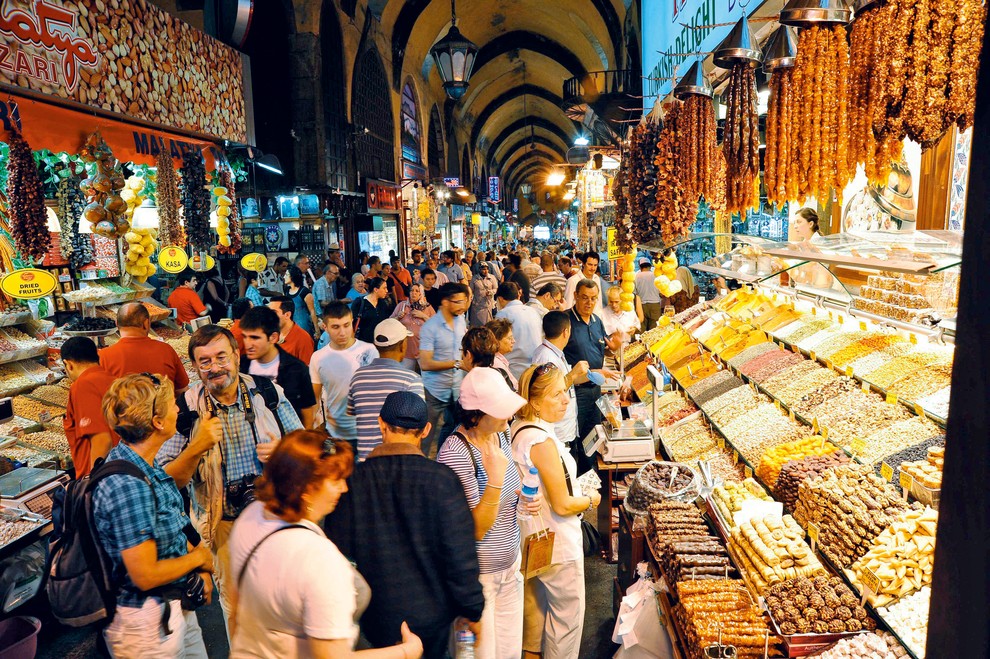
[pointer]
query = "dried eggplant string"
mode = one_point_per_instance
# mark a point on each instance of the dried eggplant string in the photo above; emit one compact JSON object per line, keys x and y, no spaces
{"x":742,"y":140}
{"x":171,"y":233}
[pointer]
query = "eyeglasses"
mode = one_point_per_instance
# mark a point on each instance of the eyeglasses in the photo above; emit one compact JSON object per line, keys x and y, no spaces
{"x":154,"y":379}
{"x":222,"y":360}
{"x":329,"y":448}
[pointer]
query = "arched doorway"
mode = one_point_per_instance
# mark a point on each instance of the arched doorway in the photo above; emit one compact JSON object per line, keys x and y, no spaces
{"x":466,"y":170}
{"x":371,"y":109}
{"x":334,"y":95}
{"x":434,"y":146}
{"x":410,"y":129}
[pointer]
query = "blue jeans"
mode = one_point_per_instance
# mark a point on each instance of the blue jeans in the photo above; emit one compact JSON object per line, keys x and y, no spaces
{"x":439,"y":408}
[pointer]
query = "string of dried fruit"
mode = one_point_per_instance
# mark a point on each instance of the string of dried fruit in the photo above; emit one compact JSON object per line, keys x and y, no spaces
{"x":742,"y":140}
{"x":887,"y":118}
{"x":233,"y":219}
{"x":171,"y":233}
{"x":799,"y":114}
{"x":63,"y":210}
{"x":83,"y":252}
{"x":967,"y":41}
{"x":623,"y":236}
{"x":196,"y":200}
{"x":775,"y":166}
{"x":711,"y":163}
{"x":674,"y":212}
{"x":106,"y":211}
{"x":28,"y":224}
{"x":642,"y":174}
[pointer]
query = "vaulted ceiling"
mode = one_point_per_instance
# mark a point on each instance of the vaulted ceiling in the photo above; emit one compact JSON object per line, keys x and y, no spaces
{"x":511,"y":115}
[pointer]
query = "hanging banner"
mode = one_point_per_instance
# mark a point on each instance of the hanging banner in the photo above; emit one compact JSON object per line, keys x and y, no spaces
{"x":127,"y":57}
{"x":28,"y":284}
{"x":494,"y":190}
{"x":382,"y":196}
{"x":173,"y":260}
{"x":52,"y":127}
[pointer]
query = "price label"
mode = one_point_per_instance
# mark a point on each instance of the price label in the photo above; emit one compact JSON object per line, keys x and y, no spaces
{"x":906,"y":480}
{"x":842,"y":319}
{"x":814,"y":425}
{"x":892,"y":399}
{"x":871,"y":582}
{"x":812,"y":355}
{"x":862,"y":326}
{"x":792,"y":416}
{"x":857,"y":446}
{"x":735,"y":457}
{"x":752,"y":385}
{"x":886,"y":471}
{"x":173,"y":260}
{"x":849,"y":371}
{"x":777,"y":403}
{"x":720,"y":441}
{"x":828,"y":364}
{"x":813,"y":532}
{"x":919,"y":410}
{"x":748,"y":471}
{"x":774,"y":298}
{"x":866,"y":387}
{"x":913,"y":339}
{"x":825,"y":434}
{"x":814,"y":311}
{"x":797,"y":351}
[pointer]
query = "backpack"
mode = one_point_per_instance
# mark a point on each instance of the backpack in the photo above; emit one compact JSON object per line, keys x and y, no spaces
{"x":80,"y":585}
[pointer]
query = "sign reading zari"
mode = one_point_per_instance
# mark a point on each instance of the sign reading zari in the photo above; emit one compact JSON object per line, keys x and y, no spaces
{"x":124,"y":56}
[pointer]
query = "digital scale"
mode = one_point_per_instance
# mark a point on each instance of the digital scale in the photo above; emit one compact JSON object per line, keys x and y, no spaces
{"x":31,"y":489}
{"x":618,"y":439}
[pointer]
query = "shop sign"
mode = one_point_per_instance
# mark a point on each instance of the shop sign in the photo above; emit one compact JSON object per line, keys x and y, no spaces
{"x":382,"y":196}
{"x":254,"y":262}
{"x":173,"y":260}
{"x":494,"y":190}
{"x":614,"y":253}
{"x":90,"y":52}
{"x":412,"y":171}
{"x":202,"y":262}
{"x":676,"y":29}
{"x":28,"y":284}
{"x":452,"y":181}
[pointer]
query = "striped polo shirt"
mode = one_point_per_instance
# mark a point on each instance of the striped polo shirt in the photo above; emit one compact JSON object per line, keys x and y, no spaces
{"x":498,"y":550}
{"x":370,"y":386}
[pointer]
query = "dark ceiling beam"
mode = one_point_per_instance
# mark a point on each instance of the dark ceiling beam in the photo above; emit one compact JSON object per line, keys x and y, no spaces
{"x":538,"y":122}
{"x":401,"y":32}
{"x":612,"y":24}
{"x":551,"y":157}
{"x":532,"y":41}
{"x":524,"y":143}
{"x":507,"y":97}
{"x":518,"y":137}
{"x":532,"y":161}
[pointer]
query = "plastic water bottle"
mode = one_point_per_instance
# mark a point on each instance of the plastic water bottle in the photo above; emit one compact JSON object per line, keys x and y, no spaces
{"x":465,"y":644}
{"x":529,"y":524}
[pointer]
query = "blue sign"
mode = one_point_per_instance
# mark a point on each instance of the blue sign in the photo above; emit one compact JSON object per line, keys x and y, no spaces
{"x":452,"y":181}
{"x":515,"y":205}
{"x":494,"y":192}
{"x":678,"y":28}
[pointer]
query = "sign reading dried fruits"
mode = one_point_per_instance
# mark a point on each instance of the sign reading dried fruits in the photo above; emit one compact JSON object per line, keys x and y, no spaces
{"x":127,"y":57}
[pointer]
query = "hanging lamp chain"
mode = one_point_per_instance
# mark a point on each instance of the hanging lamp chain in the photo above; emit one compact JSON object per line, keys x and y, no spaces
{"x":453,"y":13}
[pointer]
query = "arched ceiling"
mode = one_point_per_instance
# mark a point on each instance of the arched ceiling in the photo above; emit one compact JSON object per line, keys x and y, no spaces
{"x":527,"y":171}
{"x":527,"y":49}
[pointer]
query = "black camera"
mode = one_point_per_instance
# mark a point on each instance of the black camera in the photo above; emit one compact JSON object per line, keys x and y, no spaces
{"x":239,"y":494}
{"x":193,"y":592}
{"x":184,"y":422}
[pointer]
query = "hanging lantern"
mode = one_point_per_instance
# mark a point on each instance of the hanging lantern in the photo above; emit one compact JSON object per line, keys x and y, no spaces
{"x":694,"y":82}
{"x":740,"y":45}
{"x":807,"y":13}
{"x":781,"y":49}
{"x":454,"y":56}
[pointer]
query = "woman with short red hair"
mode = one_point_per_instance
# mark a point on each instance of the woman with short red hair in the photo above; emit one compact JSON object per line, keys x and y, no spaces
{"x":295,"y":593}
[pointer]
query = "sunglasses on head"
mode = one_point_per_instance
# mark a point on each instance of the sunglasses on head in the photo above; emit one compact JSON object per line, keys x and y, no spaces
{"x":329,"y":448}
{"x":154,"y":379}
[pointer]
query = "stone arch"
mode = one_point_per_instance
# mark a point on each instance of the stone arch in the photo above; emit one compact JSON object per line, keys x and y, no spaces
{"x":435,"y":145}
{"x":333,"y":85}
{"x":371,"y":109}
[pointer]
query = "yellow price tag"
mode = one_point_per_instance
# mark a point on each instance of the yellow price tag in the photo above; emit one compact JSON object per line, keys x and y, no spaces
{"x":913,"y":339}
{"x":849,"y":371}
{"x":871,"y":582}
{"x":866,"y":387}
{"x":774,"y":297}
{"x":792,"y":416}
{"x":748,"y":471}
{"x":797,"y":351}
{"x":906,"y":480}
{"x":825,"y":434}
{"x":720,"y":441}
{"x":173,"y":260}
{"x":735,"y":457}
{"x":857,"y":446}
{"x":842,"y":319}
{"x":777,"y":403}
{"x":814,"y":425}
{"x":886,"y":471}
{"x":814,"y":311}
{"x":828,"y":364}
{"x":813,"y":532}
{"x":862,"y":326}
{"x":812,"y":355}
{"x":892,"y":398}
{"x":919,"y":410}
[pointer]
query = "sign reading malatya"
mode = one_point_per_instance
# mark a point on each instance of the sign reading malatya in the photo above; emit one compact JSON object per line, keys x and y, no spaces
{"x":127,"y":57}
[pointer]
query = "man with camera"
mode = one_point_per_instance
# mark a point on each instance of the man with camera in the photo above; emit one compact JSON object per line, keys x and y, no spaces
{"x":228,"y":425}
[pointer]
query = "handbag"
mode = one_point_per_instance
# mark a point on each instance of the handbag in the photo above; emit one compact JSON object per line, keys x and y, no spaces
{"x":590,"y":538}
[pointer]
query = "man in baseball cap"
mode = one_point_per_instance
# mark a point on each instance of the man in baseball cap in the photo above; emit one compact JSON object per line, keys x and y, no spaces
{"x":406,"y":524}
{"x":372,"y":383}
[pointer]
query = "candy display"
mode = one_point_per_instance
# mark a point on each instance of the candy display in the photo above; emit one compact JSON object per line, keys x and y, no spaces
{"x":709,"y":610}
{"x":878,"y":645}
{"x":901,"y":557}
{"x":908,"y":617}
{"x":777,"y":457}
{"x":729,"y":497}
{"x":660,"y":481}
{"x":772,"y":549}
{"x":927,"y":472}
{"x":12,"y":529}
{"x":682,"y":543}
{"x":817,"y":605}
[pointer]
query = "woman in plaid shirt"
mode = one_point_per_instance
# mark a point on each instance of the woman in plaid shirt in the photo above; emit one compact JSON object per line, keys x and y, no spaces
{"x":142,"y":527}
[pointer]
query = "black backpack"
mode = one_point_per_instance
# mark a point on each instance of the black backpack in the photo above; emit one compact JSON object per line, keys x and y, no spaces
{"x":80,"y":585}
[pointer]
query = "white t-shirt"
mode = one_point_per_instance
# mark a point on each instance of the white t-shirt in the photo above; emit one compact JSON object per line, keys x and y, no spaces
{"x":571,"y":289}
{"x":297,"y":586}
{"x":624,"y":321}
{"x":269,"y":370}
{"x":568,"y":543}
{"x":334,"y":369}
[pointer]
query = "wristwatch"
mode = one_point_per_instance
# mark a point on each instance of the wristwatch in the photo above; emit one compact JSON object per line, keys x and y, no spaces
{"x":457,"y":363}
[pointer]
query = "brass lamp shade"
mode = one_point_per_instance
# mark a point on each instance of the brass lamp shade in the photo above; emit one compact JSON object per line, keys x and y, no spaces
{"x":807,"y":13}
{"x":781,"y":49}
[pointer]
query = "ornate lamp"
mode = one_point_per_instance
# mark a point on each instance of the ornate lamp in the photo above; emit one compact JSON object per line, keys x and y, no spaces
{"x":454,"y":56}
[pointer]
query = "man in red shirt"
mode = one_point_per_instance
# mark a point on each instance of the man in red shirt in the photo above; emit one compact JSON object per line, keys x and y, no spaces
{"x":185,"y":300}
{"x":240,"y":307}
{"x":85,"y":427}
{"x":401,"y":280}
{"x":136,"y":352}
{"x":295,"y":340}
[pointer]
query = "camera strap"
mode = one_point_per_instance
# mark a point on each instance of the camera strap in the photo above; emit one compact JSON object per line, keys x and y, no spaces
{"x":249,"y":416}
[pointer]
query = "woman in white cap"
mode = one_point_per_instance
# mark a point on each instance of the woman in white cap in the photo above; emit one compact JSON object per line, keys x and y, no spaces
{"x":480,"y":453}
{"x":554,"y":605}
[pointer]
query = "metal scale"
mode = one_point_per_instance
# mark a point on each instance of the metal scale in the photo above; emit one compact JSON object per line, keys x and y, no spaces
{"x":31,"y":489}
{"x":618,"y":439}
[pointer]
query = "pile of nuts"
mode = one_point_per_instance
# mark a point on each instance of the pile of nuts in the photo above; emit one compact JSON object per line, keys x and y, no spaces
{"x":778,"y":456}
{"x":52,"y":439}
{"x":11,"y":530}
{"x":898,"y":436}
{"x":770,"y":550}
{"x":851,"y":506}
{"x":901,"y":557}
{"x":36,"y":410}
{"x":761,"y":429}
{"x":819,"y":605}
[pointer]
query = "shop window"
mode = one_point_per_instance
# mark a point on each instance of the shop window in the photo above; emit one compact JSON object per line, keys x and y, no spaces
{"x":410,"y":125}
{"x":434,"y":147}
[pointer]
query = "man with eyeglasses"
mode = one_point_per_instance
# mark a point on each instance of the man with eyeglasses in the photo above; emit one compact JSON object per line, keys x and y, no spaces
{"x":440,"y":360}
{"x":548,"y":298}
{"x":325,"y":288}
{"x":589,"y":271}
{"x":588,"y":342}
{"x":229,"y":423}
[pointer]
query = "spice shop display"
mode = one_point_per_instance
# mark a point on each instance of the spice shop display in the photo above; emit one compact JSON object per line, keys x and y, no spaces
{"x":674,"y":211}
{"x":640,"y":177}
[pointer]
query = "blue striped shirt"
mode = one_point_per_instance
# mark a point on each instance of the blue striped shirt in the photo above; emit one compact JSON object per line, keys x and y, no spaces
{"x":497,"y":551}
{"x":370,"y":386}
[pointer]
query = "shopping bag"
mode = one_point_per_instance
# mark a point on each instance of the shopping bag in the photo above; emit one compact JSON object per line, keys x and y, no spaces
{"x":537,"y":553}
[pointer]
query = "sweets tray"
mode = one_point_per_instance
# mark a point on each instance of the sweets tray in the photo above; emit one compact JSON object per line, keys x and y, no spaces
{"x":800,"y":645}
